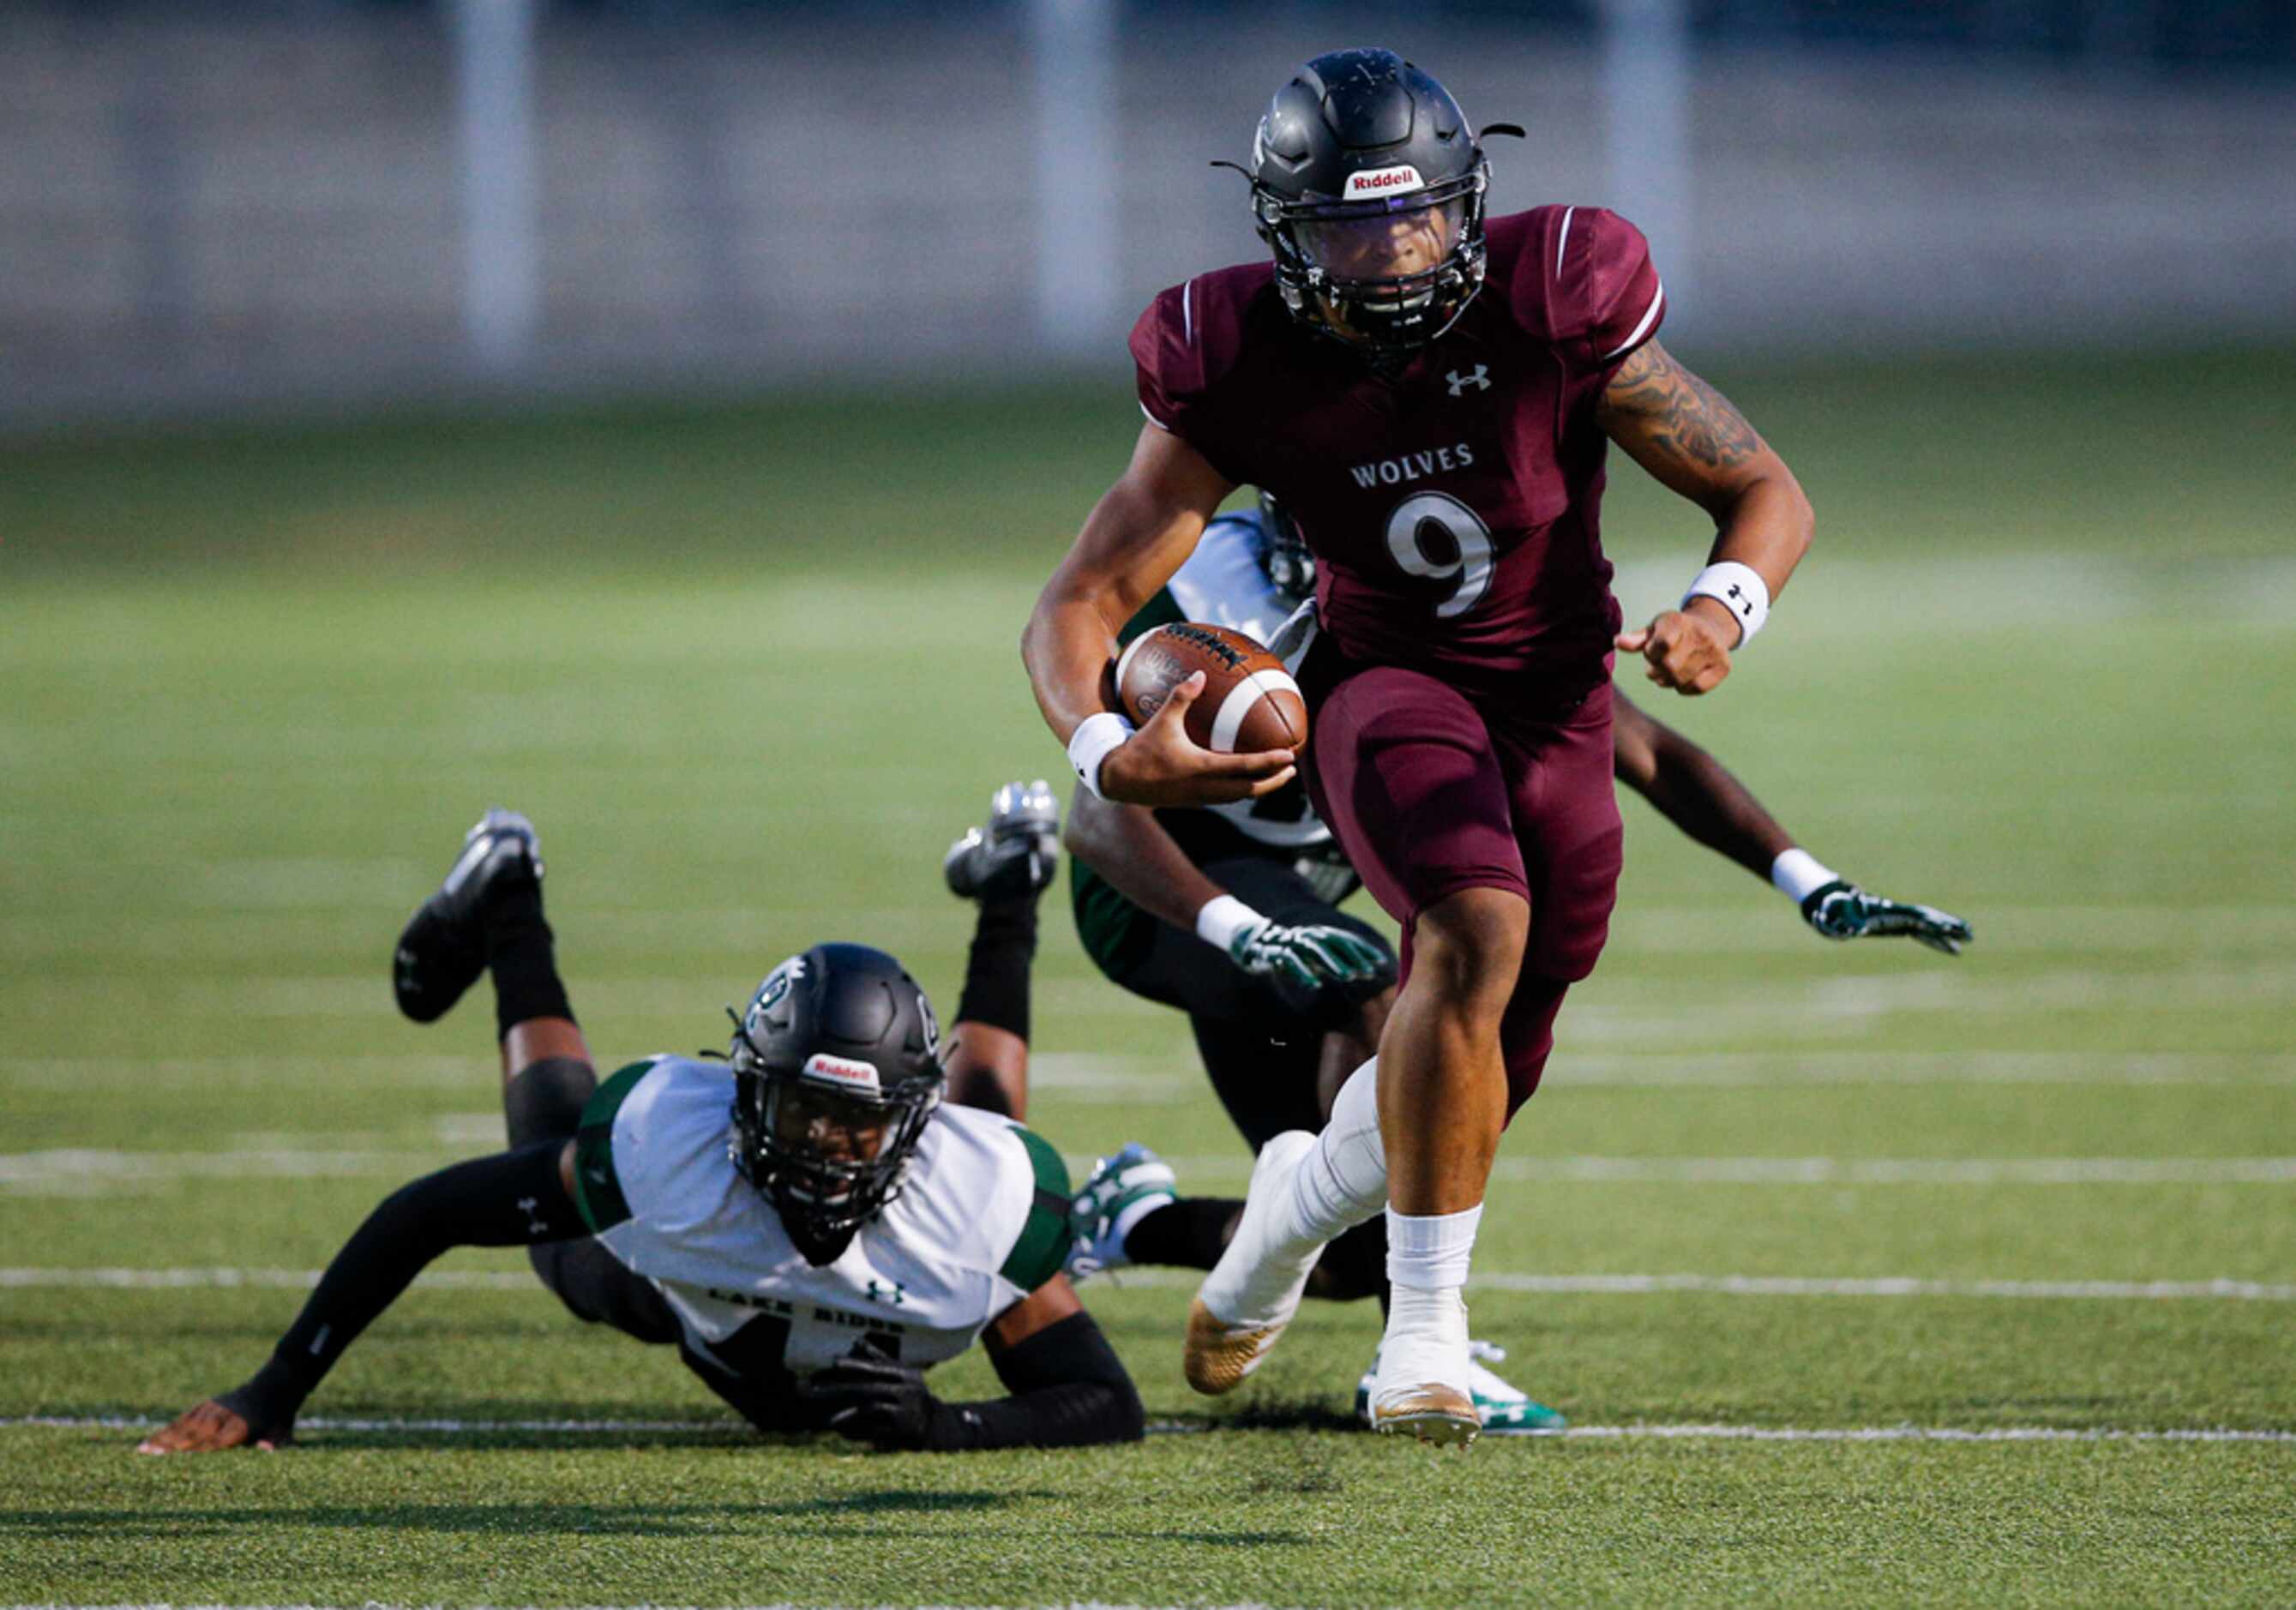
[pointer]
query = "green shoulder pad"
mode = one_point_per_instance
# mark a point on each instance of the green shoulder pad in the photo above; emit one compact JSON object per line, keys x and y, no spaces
{"x":1043,"y":1247}
{"x":597,"y":1188}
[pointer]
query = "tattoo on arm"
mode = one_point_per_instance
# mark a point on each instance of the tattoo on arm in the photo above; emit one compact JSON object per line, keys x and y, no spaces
{"x":1675,"y":414}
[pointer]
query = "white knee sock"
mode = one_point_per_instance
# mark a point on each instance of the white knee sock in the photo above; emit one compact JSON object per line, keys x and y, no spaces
{"x":1427,"y":1259}
{"x":1343,"y":1181}
{"x":1431,"y":1251}
{"x":1338,"y":1180}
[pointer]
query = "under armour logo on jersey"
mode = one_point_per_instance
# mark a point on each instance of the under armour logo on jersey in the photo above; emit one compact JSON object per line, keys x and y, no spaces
{"x":1481,"y":380}
{"x":534,"y":1226}
{"x":895,"y":1294}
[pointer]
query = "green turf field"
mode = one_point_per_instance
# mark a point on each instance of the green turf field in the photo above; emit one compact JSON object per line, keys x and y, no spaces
{"x":1864,"y":1274}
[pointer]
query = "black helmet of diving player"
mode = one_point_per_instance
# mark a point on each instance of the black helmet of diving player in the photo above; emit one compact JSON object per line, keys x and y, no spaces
{"x":1368,"y":185}
{"x":1291,"y":568}
{"x":837,"y":1068}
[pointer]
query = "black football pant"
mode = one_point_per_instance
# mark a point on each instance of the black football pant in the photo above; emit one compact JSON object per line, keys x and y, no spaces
{"x":545,"y":1102}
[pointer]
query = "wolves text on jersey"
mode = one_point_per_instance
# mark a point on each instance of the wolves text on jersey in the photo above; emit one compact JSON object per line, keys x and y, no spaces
{"x":1411,"y":466}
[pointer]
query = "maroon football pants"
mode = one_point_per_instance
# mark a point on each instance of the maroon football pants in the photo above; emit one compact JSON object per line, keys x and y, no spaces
{"x":1430,"y":792}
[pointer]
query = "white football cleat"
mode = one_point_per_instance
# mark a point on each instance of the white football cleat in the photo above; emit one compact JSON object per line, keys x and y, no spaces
{"x":1424,"y":1382}
{"x":1505,"y":1409}
{"x":1252,"y":1292}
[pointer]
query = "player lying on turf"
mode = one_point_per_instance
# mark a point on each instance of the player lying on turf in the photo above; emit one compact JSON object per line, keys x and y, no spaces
{"x":810,"y":1227}
{"x":1295,"y":1002}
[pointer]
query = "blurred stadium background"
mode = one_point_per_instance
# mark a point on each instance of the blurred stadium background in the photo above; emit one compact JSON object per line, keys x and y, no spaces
{"x":255,"y":202}
{"x":658,"y":416}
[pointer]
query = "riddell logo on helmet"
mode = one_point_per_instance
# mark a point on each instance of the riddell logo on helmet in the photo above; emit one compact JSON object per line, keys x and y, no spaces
{"x":1384,"y":181}
{"x":842,"y":1070}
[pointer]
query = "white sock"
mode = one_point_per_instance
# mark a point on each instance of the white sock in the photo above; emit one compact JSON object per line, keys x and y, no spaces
{"x":1431,"y":1251}
{"x":1338,"y":1181}
{"x":1427,"y":1259}
{"x":1343,"y":1181}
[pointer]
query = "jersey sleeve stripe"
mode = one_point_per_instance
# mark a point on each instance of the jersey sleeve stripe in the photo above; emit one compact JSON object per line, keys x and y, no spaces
{"x":1043,"y":1246}
{"x":1561,"y":240}
{"x":1152,"y":420}
{"x":597,"y":1188}
{"x":1650,"y":317}
{"x":1187,"y":314}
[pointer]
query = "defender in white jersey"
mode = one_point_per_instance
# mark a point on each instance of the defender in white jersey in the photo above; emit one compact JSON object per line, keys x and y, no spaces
{"x":805,"y":1222}
{"x":1230,"y":912}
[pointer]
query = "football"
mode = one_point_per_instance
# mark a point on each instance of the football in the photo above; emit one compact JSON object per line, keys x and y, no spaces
{"x":1249,"y":701}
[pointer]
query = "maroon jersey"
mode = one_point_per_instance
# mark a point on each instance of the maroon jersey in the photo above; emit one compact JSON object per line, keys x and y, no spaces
{"x":1453,"y":504}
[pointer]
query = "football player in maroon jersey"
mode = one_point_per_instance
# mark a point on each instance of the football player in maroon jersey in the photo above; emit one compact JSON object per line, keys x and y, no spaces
{"x":1433,"y":399}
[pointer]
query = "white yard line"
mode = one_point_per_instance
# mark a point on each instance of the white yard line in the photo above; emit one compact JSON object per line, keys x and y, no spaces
{"x":2179,"y":932}
{"x":1090,"y":1077}
{"x":1614,"y":1007}
{"x":1925,"y":1434}
{"x":1675,"y":1433}
{"x":474,"y":1071}
{"x":1833,"y":1171}
{"x":1086,"y":1076}
{"x":1608,"y":1286}
{"x":92,"y":1170}
{"x":1854,"y":1065}
{"x":89,"y":1170}
{"x":292,"y":1279}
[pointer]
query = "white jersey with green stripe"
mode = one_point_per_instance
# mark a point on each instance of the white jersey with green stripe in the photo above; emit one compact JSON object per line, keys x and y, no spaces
{"x":981,"y":1220}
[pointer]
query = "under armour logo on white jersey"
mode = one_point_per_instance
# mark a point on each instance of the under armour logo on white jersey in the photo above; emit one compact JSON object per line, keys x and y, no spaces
{"x":1481,"y":380}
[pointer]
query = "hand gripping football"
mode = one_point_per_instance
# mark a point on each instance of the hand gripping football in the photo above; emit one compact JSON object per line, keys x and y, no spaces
{"x":1249,"y":701}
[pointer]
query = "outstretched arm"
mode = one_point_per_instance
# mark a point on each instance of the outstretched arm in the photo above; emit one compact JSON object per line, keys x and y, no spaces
{"x":1067,"y":1386}
{"x":1692,"y":790}
{"x":511,"y":1199}
{"x":1698,"y":794}
{"x":1688,"y":435}
{"x":1141,"y":531}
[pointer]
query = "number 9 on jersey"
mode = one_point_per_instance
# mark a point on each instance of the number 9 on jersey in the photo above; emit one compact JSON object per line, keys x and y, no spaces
{"x":1436,"y":538}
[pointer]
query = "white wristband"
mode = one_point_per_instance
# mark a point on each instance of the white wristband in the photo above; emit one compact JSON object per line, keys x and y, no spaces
{"x":1089,"y":744}
{"x":1798,"y":875}
{"x":1738,"y":588}
{"x":1222,"y":918}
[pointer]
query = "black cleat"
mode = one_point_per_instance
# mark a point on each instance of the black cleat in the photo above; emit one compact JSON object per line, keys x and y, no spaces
{"x":444,"y":948}
{"x":1017,"y":853}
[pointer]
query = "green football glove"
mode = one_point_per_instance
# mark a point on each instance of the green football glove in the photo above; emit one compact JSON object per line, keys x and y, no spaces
{"x":1841,"y":910}
{"x":1304,"y":961}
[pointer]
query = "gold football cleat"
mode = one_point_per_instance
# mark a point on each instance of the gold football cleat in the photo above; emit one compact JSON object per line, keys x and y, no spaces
{"x":1430,"y":1411}
{"x":1217,"y":1355}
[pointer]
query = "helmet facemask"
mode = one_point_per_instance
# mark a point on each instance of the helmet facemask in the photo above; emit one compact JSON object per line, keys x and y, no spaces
{"x":1387,"y":275}
{"x":825,"y":1137}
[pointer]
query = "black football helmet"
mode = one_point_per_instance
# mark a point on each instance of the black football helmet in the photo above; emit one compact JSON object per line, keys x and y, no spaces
{"x":1291,"y":568}
{"x":1368,"y":184}
{"x":837,"y":1068}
